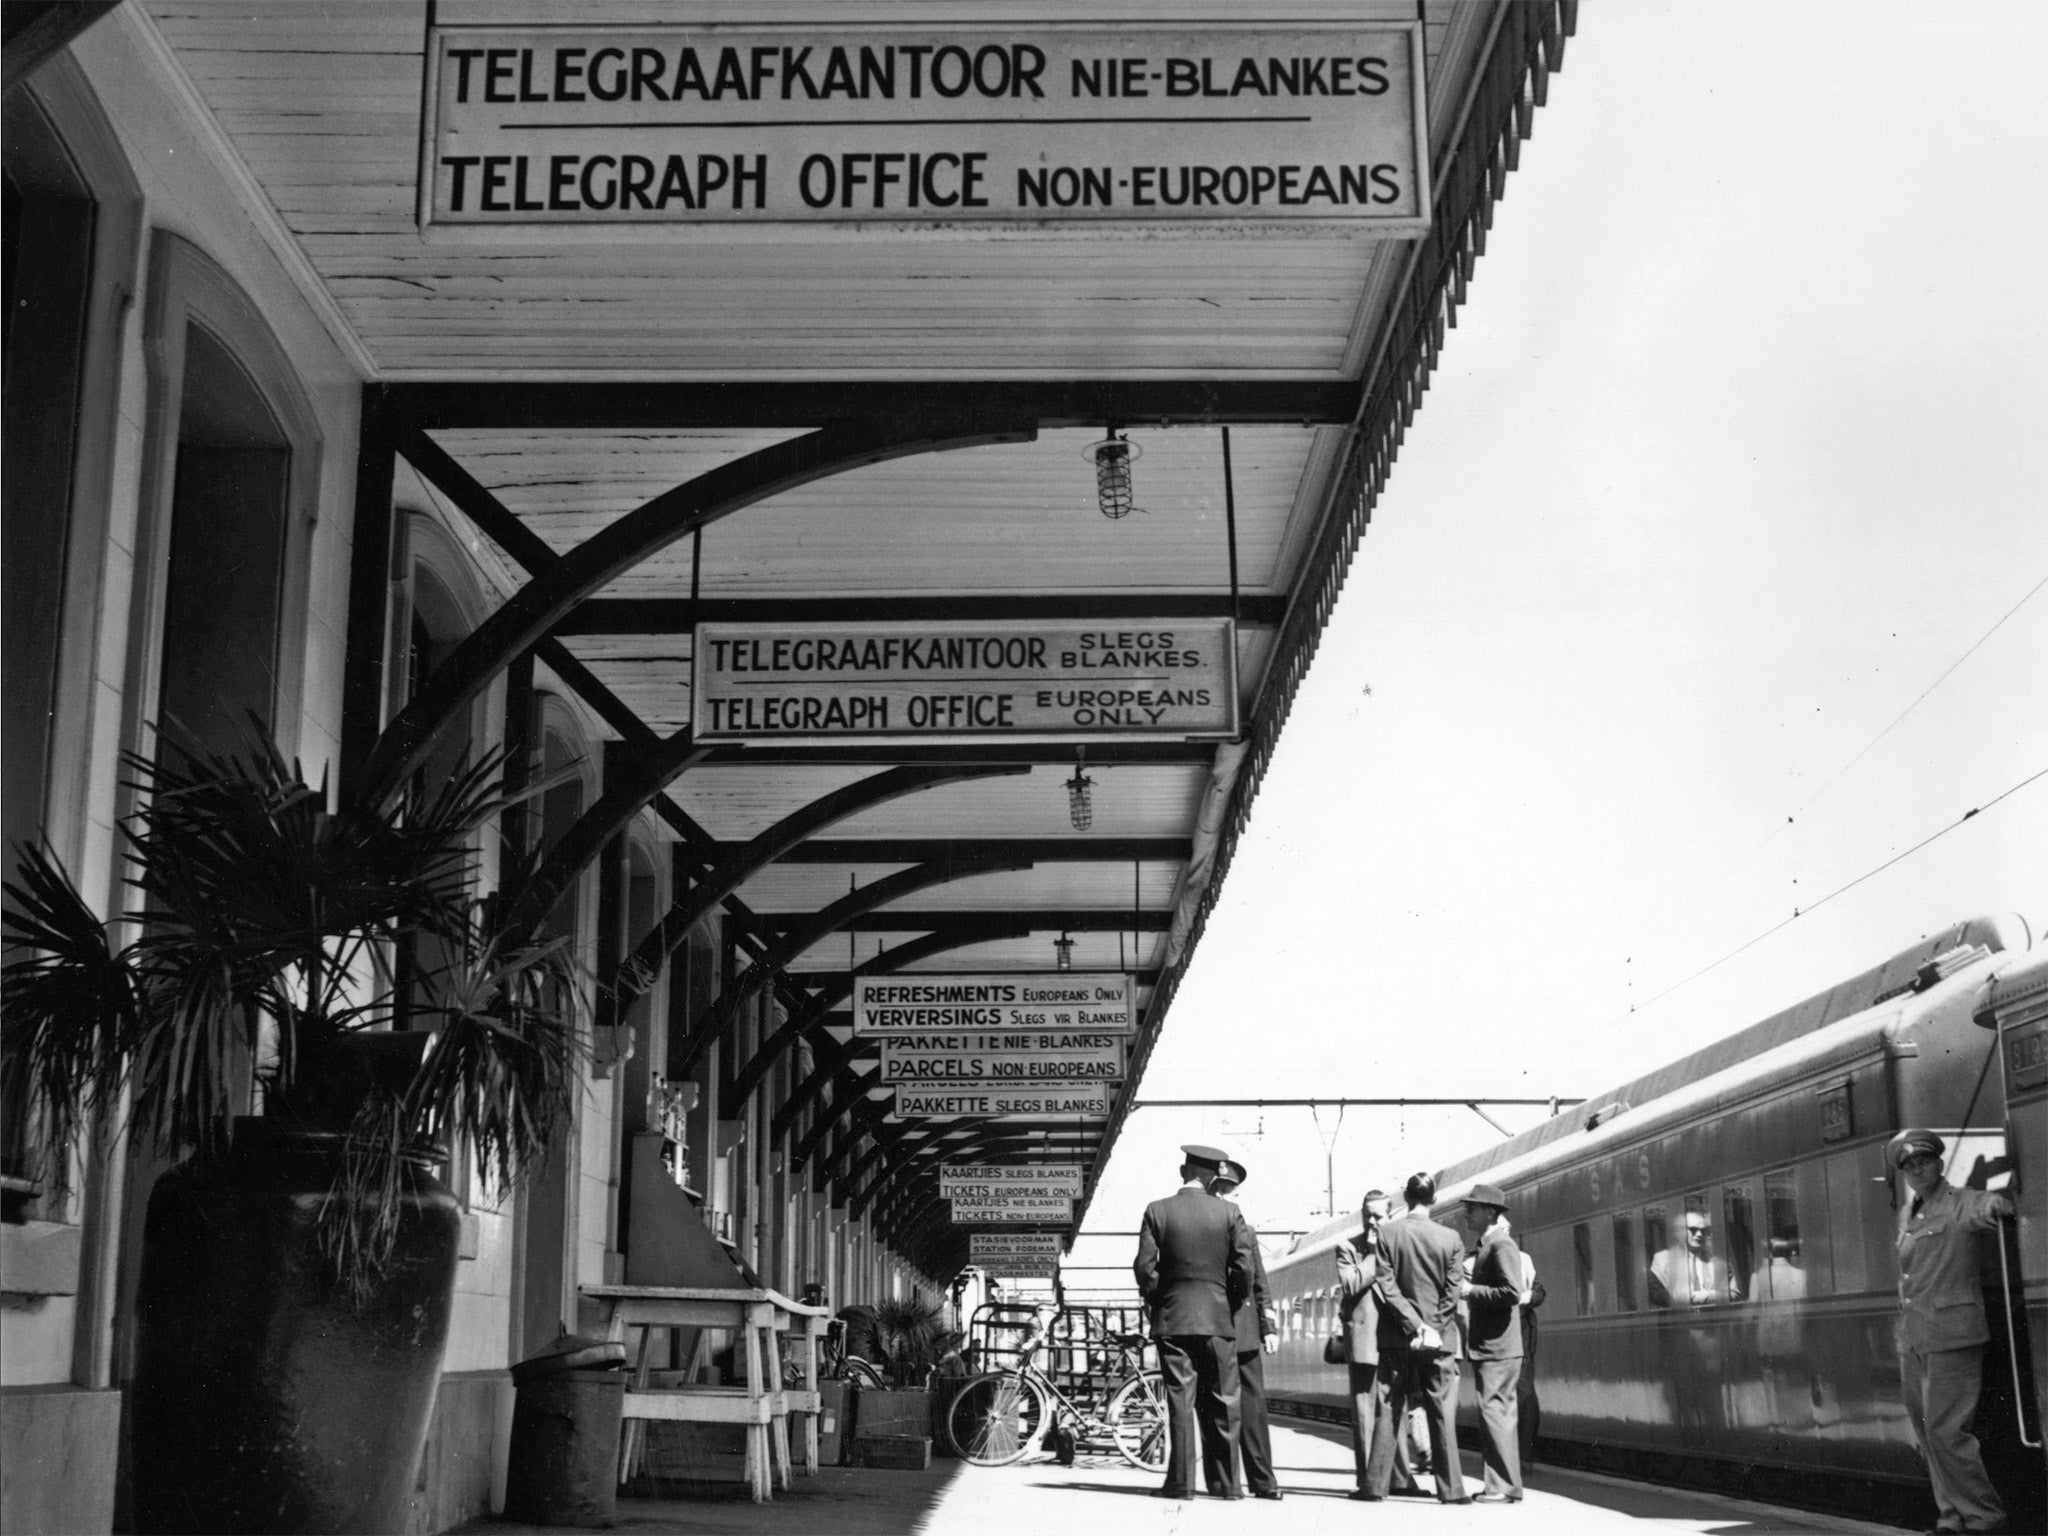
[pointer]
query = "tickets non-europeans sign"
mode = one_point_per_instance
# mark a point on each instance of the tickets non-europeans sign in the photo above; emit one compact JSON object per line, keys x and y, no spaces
{"x":1041,"y":1210}
{"x":958,"y":682}
{"x":994,"y":1011}
{"x":969,"y":1180}
{"x":935,"y":1059}
{"x":970,"y":125}
{"x":1066,"y":1102}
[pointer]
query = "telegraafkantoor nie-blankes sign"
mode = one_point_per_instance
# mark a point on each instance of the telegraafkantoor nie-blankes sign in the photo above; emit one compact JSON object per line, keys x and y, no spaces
{"x":978,"y":124}
{"x":964,"y":682}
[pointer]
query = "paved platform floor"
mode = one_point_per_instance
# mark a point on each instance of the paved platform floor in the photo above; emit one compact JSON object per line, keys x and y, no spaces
{"x":1102,"y":1496}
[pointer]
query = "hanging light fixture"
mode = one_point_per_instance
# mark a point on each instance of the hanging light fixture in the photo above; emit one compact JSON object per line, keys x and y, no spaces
{"x":1081,"y":800}
{"x":1063,"y":952}
{"x":1113,"y":458}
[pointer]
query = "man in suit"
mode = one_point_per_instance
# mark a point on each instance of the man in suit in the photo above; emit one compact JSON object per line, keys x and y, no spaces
{"x":1424,"y":1259}
{"x":1695,"y":1277}
{"x":1378,"y":1322}
{"x":1493,"y":1339}
{"x":1257,"y":1325}
{"x":1194,"y":1269}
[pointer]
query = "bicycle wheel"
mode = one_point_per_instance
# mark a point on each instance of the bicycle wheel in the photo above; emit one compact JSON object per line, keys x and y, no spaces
{"x":1137,"y":1422}
{"x":997,"y":1418}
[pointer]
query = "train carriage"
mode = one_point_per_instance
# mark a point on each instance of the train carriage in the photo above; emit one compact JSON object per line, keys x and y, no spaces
{"x":1764,"y":1360}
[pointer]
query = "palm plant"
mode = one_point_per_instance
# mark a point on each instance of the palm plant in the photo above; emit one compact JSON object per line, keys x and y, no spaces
{"x":913,"y":1337}
{"x":268,"y":932}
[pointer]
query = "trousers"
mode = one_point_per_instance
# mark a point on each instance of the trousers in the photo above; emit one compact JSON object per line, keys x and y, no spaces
{"x":1254,"y":1433}
{"x":1941,"y":1388}
{"x":1430,"y":1382}
{"x":1499,"y":1413}
{"x":1365,"y":1412}
{"x":1199,"y":1373}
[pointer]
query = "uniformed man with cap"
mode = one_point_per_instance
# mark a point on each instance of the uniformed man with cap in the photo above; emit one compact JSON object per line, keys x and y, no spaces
{"x":1258,"y":1334}
{"x":1194,"y":1268}
{"x":1942,"y":1329}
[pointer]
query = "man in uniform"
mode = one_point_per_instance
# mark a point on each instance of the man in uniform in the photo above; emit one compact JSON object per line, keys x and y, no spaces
{"x":1493,"y":1339}
{"x":1194,"y":1269}
{"x":1378,"y":1322}
{"x":1942,"y":1330}
{"x":1424,"y":1257}
{"x":1257,"y":1325}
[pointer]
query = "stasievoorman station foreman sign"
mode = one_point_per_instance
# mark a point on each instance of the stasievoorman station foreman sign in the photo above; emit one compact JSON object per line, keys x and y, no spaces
{"x":961,"y":126}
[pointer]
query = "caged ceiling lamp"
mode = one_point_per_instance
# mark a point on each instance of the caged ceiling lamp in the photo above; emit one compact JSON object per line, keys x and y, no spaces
{"x":1063,"y":952}
{"x":1081,"y":800}
{"x":1113,"y":458}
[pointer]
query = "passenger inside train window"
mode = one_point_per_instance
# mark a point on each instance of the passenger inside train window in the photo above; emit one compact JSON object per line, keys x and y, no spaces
{"x":1738,"y":1222}
{"x":1655,"y":1256}
{"x":1694,"y":1275}
{"x":1785,"y":1271}
{"x":1582,"y":1269}
{"x":1625,"y":1263}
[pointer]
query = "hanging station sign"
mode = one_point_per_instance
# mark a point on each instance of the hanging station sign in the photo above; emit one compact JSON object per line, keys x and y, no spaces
{"x":960,"y":682}
{"x":1040,"y":1210}
{"x":935,"y":1059}
{"x":969,"y":126}
{"x":1080,"y":1101}
{"x":995,"y":1012}
{"x":969,"y":1181}
{"x":1021,"y":1254}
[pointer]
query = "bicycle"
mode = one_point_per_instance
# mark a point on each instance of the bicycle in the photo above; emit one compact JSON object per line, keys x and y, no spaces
{"x":999,"y":1415}
{"x":838,"y":1365}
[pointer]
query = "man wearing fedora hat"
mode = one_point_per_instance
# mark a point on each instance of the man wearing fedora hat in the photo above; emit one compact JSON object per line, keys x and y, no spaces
{"x":1493,"y":1339}
{"x":1258,"y":1334}
{"x":1942,"y":1330}
{"x":1194,"y":1269}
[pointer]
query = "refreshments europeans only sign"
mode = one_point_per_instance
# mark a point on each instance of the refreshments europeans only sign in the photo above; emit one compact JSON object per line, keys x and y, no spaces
{"x":960,"y":682}
{"x":901,"y":127}
{"x":994,"y":1012}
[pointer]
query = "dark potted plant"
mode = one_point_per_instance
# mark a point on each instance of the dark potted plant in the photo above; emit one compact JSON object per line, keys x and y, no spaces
{"x":298,"y":1266}
{"x":913,"y":1339}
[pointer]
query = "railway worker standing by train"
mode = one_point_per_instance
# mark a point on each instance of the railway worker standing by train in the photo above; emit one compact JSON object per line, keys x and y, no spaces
{"x":1423,"y":1256}
{"x":1194,"y":1269}
{"x":1942,"y":1329}
{"x":1258,"y":1334}
{"x":1493,"y":1338}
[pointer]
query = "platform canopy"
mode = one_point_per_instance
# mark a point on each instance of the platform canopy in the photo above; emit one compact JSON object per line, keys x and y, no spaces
{"x":746,"y":440}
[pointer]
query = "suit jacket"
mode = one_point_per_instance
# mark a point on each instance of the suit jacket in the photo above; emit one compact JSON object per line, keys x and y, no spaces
{"x":1195,"y":1264}
{"x":1424,"y":1258}
{"x":1255,"y":1316}
{"x":1941,"y":1297}
{"x":1377,"y":1318}
{"x":1494,"y":1327}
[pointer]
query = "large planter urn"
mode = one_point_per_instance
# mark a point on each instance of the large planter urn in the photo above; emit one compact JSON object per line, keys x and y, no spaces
{"x":267,"y":1398}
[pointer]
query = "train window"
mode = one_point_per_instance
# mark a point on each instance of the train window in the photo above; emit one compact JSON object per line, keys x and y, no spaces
{"x":1582,"y":1269}
{"x":1738,"y":1227}
{"x":1849,"y":1192}
{"x":1625,"y":1262}
{"x":1656,"y":1260}
{"x":1784,"y":1264}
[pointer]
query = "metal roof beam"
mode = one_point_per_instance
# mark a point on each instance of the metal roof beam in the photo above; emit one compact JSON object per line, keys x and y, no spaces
{"x":1033,"y":920}
{"x":654,"y":407}
{"x":1042,"y":850}
{"x":681,"y":615}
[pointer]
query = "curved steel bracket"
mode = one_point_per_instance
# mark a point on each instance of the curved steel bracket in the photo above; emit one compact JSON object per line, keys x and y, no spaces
{"x":645,"y":531}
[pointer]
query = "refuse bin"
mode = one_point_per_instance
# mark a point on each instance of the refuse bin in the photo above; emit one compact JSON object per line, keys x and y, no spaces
{"x":564,"y":1464}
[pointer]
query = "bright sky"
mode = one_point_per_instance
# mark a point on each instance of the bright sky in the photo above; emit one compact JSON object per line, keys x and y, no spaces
{"x":1710,"y":579}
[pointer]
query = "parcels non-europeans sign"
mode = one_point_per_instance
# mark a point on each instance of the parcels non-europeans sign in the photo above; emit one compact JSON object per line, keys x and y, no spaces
{"x":971,"y":1179}
{"x":1099,"y":1060}
{"x":1045,"y":1210}
{"x":1036,"y":681}
{"x":1076,"y":1102}
{"x":970,"y":125}
{"x":994,"y":1011}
